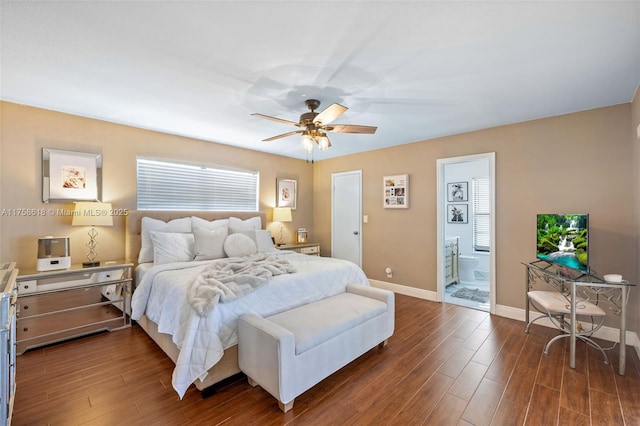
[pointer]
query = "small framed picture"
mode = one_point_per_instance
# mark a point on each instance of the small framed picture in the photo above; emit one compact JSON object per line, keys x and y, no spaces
{"x":458,"y":191}
{"x":395,"y":192}
{"x":457,"y":213}
{"x":71,"y":176}
{"x":287,"y":193}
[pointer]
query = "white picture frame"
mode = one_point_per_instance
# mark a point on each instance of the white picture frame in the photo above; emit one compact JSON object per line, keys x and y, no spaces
{"x":395,"y":191}
{"x":287,"y":193}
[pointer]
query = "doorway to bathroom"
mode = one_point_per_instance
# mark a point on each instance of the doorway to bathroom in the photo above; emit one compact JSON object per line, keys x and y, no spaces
{"x":466,"y":231}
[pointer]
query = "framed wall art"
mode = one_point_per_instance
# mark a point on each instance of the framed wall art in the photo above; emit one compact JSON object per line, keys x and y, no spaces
{"x":71,"y":176}
{"x":458,"y":191}
{"x":287,"y":195}
{"x":395,"y":192}
{"x":457,"y":213}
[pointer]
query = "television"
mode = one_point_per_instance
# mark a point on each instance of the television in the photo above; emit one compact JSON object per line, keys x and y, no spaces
{"x":563,"y":239}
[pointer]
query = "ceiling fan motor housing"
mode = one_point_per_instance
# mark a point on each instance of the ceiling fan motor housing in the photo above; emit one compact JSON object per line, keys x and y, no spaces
{"x":306,"y":119}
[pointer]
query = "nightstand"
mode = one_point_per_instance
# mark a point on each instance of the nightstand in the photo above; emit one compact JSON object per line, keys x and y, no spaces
{"x":307,"y":248}
{"x":58,"y":305}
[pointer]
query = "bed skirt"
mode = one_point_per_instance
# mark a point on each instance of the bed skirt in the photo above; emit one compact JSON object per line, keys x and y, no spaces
{"x":225,"y":368}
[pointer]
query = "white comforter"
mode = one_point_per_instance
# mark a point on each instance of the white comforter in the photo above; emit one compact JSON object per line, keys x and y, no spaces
{"x":161,"y":295}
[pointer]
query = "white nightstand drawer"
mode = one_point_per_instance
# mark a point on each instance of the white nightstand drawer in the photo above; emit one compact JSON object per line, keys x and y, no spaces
{"x":310,"y":250}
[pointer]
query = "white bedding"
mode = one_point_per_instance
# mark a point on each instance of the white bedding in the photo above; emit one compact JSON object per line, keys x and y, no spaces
{"x":161,"y":295}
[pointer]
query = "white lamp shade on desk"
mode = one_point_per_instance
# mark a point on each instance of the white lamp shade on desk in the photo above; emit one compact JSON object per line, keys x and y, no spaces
{"x":282,"y":214}
{"x":92,"y":214}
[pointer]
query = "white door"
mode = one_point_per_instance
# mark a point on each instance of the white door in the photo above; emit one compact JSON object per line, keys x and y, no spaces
{"x":346,"y":211}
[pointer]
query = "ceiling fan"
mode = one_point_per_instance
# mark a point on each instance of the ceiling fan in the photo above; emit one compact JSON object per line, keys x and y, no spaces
{"x":314,"y":125}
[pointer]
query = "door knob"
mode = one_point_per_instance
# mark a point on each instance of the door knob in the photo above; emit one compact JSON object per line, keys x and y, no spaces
{"x":355,"y":232}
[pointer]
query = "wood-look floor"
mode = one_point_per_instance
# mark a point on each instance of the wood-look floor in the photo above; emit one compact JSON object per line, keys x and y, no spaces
{"x":444,"y":365}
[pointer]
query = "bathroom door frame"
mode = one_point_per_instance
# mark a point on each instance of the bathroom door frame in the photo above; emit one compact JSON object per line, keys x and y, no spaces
{"x":441,"y":192}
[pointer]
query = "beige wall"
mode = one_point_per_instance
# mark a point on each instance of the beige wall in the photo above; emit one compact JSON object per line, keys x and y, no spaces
{"x":25,"y":131}
{"x":579,"y":162}
{"x":576,"y":162}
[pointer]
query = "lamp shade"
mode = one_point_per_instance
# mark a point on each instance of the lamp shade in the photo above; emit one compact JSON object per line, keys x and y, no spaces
{"x":282,"y":214}
{"x":92,"y":214}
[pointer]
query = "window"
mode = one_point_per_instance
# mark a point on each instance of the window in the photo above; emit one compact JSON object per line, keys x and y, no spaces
{"x":172,"y":185}
{"x":481,"y":214}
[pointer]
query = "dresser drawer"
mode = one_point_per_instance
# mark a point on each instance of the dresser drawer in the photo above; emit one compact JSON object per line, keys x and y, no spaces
{"x":33,"y":332}
{"x":39,"y":304}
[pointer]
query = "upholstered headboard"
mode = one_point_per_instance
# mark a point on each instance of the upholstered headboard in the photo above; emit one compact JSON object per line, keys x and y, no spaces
{"x":133,"y":239}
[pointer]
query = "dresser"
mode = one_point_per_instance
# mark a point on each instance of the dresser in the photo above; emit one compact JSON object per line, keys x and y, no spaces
{"x":57,"y":305}
{"x":8,"y":275}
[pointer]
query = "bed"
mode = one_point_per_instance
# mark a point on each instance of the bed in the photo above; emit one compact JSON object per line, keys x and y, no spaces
{"x":204,"y":345}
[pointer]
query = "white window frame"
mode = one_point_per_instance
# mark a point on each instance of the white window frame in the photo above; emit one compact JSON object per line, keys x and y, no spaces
{"x":175,"y":185}
{"x":481,"y":193}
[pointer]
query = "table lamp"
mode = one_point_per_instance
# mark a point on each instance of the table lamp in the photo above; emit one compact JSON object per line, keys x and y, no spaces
{"x":282,"y":214}
{"x":92,"y":214}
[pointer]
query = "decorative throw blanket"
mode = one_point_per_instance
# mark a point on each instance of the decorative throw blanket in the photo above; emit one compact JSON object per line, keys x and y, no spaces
{"x":228,"y":279}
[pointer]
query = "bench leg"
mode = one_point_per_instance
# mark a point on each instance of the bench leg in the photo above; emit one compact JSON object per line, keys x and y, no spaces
{"x":285,"y":407}
{"x":383,"y":344}
{"x":252,"y":382}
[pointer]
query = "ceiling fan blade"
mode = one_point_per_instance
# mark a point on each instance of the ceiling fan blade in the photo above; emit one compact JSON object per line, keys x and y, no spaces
{"x":351,"y":128}
{"x":284,"y":135}
{"x":279,"y":120}
{"x":329,"y":114}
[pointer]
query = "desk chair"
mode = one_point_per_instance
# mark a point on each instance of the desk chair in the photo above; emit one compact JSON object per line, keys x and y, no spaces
{"x":555,"y":306}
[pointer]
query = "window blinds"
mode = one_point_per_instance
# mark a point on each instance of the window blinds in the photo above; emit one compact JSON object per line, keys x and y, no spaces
{"x":481,"y":214}
{"x":165,"y":185}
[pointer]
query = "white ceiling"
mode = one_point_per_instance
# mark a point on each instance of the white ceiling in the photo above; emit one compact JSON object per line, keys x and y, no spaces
{"x":415,"y":69}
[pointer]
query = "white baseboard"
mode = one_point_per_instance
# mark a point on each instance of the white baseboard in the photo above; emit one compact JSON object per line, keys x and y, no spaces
{"x":405,"y":290}
{"x":609,"y":334}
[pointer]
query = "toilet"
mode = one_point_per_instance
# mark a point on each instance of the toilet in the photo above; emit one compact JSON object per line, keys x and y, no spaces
{"x":467,"y":266}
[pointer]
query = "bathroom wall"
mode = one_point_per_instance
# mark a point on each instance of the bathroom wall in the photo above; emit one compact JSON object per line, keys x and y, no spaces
{"x":465,"y":172}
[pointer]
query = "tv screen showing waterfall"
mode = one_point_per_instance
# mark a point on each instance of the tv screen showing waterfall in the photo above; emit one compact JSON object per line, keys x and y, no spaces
{"x":564,"y":239}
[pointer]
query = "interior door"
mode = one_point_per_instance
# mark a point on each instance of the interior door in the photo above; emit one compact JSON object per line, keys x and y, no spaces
{"x":346,"y":212}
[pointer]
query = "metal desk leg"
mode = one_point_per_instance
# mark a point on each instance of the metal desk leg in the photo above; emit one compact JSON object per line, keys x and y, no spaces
{"x":572,"y":338}
{"x":526,"y":297}
{"x":623,"y":330}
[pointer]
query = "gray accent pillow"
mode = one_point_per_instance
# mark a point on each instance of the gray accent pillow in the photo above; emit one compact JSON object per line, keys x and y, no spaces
{"x":210,"y":242}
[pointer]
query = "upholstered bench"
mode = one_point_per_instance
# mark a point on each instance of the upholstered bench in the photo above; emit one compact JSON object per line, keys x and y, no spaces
{"x":290,"y":352}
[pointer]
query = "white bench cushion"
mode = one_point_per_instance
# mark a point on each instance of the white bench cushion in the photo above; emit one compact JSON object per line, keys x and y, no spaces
{"x":318,"y":322}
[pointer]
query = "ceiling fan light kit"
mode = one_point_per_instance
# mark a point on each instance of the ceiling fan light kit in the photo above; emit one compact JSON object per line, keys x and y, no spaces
{"x":315,"y":125}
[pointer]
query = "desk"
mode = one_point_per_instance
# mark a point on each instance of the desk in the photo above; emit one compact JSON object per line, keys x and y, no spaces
{"x":573,"y":284}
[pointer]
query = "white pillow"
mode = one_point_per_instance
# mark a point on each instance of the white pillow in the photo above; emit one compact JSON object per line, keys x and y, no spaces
{"x":251,"y":223}
{"x":149,"y":224}
{"x":209,"y":224}
{"x":261,"y":237}
{"x":264,"y":241}
{"x":169,"y":247}
{"x":210,"y":242}
{"x":239,"y":245}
